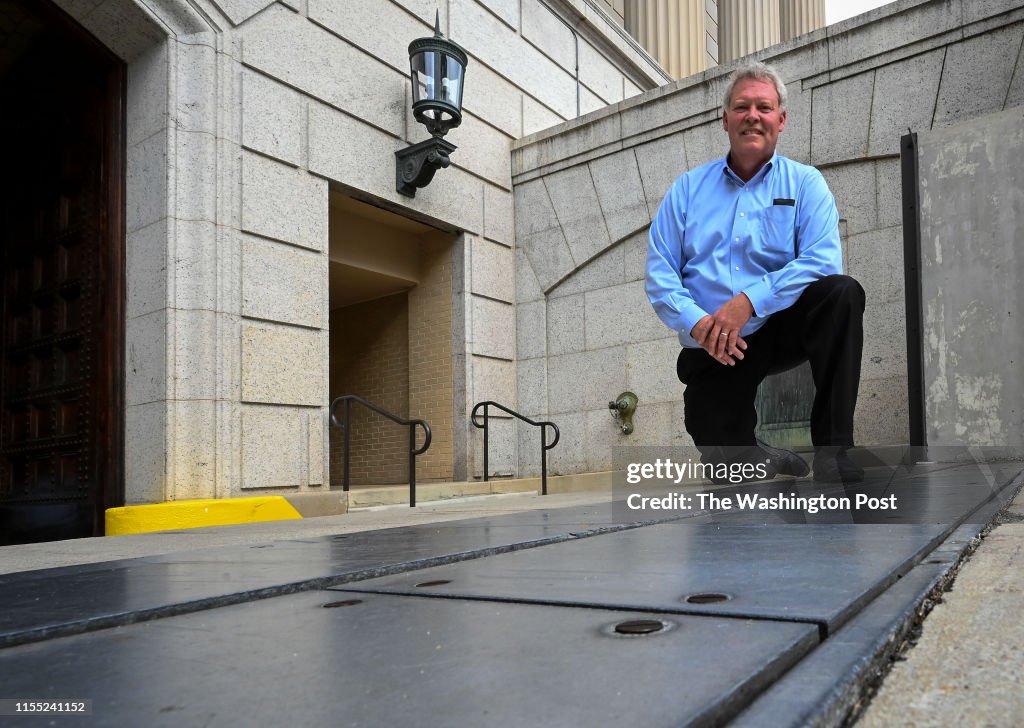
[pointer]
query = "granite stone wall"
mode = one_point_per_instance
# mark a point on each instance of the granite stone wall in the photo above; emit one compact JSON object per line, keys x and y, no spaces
{"x":585,"y":193}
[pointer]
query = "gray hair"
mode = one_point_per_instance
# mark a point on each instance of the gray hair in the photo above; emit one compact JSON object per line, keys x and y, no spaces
{"x":759,"y":72}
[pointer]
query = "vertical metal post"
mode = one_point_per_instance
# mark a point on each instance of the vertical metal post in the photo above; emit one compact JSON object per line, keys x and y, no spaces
{"x":543,"y":460}
{"x":912,"y":282}
{"x":347,"y":424}
{"x":412,"y":464}
{"x":486,"y":424}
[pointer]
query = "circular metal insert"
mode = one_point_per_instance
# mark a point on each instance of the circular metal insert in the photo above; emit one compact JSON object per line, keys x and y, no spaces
{"x":342,"y":603}
{"x":436,"y":582}
{"x":707,"y":598}
{"x":640,"y":626}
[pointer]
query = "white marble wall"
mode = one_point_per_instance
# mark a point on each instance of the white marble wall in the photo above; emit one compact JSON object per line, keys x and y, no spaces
{"x":244,"y":116}
{"x":585,"y":194}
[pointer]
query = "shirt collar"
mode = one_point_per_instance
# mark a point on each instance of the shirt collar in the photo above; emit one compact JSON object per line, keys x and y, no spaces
{"x":761,"y":173}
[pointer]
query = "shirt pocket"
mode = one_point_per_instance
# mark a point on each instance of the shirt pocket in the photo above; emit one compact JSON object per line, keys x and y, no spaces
{"x":778,"y":229}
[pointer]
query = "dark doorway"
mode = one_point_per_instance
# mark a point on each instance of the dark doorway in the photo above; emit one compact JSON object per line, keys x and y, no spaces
{"x":62,"y":273}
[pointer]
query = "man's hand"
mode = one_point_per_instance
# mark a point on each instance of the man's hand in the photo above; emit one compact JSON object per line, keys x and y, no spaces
{"x":719,"y":333}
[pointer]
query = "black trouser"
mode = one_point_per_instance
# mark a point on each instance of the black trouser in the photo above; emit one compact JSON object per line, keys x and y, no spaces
{"x":825,"y":327}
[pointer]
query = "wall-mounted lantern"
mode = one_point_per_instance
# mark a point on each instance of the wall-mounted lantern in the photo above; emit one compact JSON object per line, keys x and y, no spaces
{"x":438,"y":69}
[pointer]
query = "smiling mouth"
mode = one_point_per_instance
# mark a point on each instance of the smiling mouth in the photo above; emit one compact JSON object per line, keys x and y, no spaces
{"x":748,"y":132}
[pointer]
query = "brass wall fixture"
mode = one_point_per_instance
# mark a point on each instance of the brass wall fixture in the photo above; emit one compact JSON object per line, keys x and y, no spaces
{"x":622,"y":409}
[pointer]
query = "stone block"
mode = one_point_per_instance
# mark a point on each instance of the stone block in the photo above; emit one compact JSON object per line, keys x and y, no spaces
{"x":532,"y":386}
{"x":500,"y":48}
{"x":701,"y":144}
{"x":531,"y":329}
{"x":651,"y":369}
{"x":507,"y":10}
{"x":600,"y":76}
{"x":575,"y":203}
{"x":630,"y":89}
{"x":318,"y":472}
{"x":492,"y":98}
{"x":602,"y":432}
{"x":840,"y":119}
{"x":281,"y":283}
{"x":904,"y":99}
{"x":600,"y":272}
{"x":281,"y":365}
{"x":382,"y":30}
{"x":494,"y":332}
{"x":499,"y":218}
{"x":294,"y":50}
{"x":882,"y":416}
{"x":976,"y":75}
{"x":660,"y":163}
{"x":125,"y":28}
{"x":193,"y":454}
{"x":621,"y":315}
{"x":145,"y":453}
{"x":490,"y":264}
{"x":587,"y":139}
{"x":274,"y":447}
{"x":194,"y":369}
{"x":853,"y":186}
{"x":196,"y":93}
{"x":848,"y":45}
{"x":671,"y":107}
{"x":495,"y":380}
{"x":195,"y":273}
{"x":146,"y":107}
{"x":146,"y":266}
{"x":795,"y":140}
{"x":885,"y":340}
{"x":528,"y":449}
{"x":537,"y":116}
{"x":283,"y":203}
{"x":1015,"y":94}
{"x":889,"y":184}
{"x":548,"y":34}
{"x":238,"y":11}
{"x":540,"y":236}
{"x":272,"y":119}
{"x":146,"y":353}
{"x":569,"y":455}
{"x":803,"y":59}
{"x":195,"y":175}
{"x":565,"y":325}
{"x":979,"y":10}
{"x":587,"y":380}
{"x":146,"y":182}
{"x":620,"y":193}
{"x":527,"y":287}
{"x":876,"y":260}
{"x":501,"y":448}
{"x":634,"y":253}
{"x":656,"y":424}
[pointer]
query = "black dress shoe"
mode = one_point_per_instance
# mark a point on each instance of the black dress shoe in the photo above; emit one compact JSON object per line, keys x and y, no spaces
{"x":785,"y":462}
{"x":832,"y":465}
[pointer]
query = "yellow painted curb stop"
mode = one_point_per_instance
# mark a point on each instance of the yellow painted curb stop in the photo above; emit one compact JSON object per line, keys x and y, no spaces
{"x":198,"y":514}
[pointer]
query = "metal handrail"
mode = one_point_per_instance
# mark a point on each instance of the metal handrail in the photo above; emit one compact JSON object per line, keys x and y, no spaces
{"x":544,"y":446}
{"x":348,"y":399}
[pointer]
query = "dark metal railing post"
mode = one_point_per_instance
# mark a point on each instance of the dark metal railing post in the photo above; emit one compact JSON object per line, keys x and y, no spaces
{"x":486,"y":468}
{"x":347,"y":424}
{"x":544,"y":445}
{"x":412,"y":465}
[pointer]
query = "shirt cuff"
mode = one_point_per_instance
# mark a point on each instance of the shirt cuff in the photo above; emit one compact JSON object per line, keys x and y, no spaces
{"x":760,"y":295}
{"x":690,"y":316}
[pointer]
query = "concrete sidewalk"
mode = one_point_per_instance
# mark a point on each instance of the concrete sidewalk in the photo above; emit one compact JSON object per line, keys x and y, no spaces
{"x":967,"y":666}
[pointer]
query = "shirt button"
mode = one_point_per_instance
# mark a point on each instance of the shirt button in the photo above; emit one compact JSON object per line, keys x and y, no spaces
{"x":736,"y":239}
{"x":737,"y":267}
{"x":741,"y":214}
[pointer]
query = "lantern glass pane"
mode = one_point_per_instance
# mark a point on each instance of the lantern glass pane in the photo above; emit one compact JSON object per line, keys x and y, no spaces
{"x":451,"y":81}
{"x":423,"y":75}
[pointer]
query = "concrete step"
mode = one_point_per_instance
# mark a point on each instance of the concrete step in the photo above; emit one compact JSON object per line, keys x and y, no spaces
{"x":372,"y":496}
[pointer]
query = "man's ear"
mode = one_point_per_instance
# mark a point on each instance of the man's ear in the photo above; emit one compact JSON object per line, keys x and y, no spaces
{"x":725,"y":121}
{"x":782,"y":121}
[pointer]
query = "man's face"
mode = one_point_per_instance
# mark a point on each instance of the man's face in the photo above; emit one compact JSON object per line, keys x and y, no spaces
{"x":753,"y":120}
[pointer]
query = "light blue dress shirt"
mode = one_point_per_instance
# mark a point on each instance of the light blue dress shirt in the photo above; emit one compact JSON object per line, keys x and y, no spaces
{"x":715,"y":236}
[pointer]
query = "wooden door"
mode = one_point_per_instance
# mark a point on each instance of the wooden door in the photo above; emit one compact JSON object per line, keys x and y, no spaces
{"x":61,"y":272}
